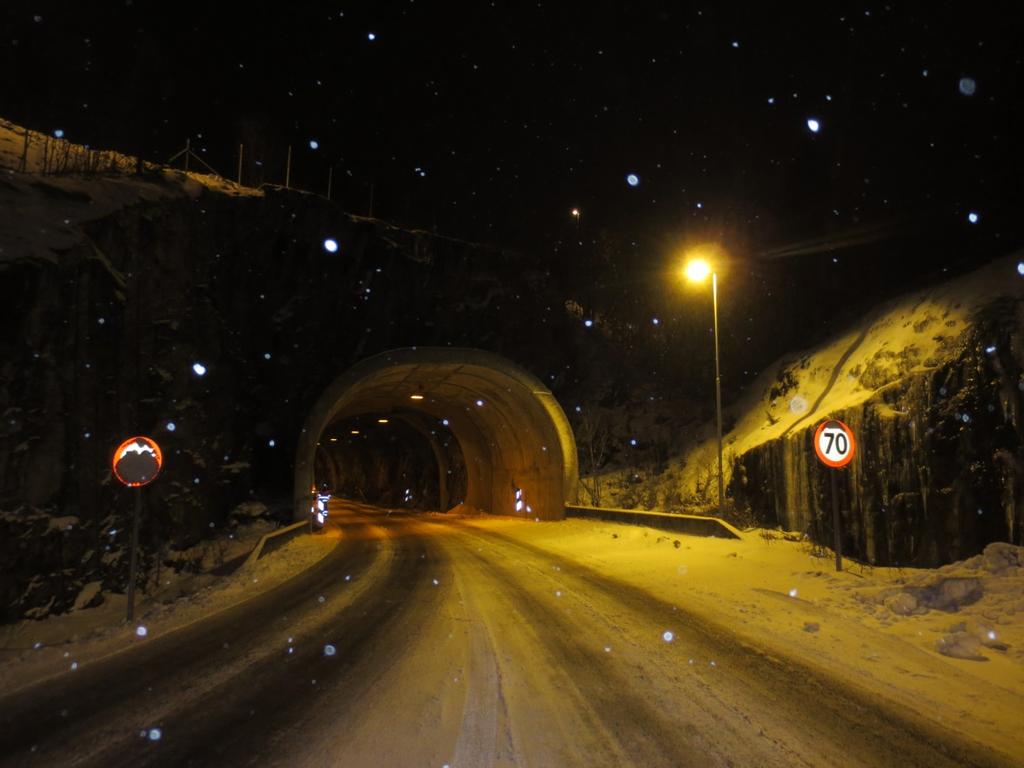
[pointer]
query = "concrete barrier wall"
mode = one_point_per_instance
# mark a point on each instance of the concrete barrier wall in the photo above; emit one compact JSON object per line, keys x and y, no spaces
{"x":275,"y":540}
{"x":693,"y":525}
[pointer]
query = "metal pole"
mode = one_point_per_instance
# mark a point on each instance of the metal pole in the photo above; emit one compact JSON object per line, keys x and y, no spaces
{"x":718,"y":395}
{"x":837,"y":538}
{"x":288,"y":169}
{"x":135,"y":553}
{"x":330,"y":178}
{"x":240,"y":150}
{"x":188,"y":151}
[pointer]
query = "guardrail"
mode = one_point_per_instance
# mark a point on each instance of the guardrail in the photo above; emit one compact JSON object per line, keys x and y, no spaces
{"x":275,"y":539}
{"x":695,"y":525}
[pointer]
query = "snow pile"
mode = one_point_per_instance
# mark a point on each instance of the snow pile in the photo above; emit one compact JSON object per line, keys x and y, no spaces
{"x":210,"y":554}
{"x":991,"y":584}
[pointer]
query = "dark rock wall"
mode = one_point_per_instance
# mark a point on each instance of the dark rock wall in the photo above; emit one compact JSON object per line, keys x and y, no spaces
{"x":939,"y":471}
{"x":99,"y":342}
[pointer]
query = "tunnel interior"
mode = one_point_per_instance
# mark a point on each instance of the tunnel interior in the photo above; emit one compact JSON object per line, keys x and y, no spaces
{"x":400,"y":459}
{"x":387,"y":430}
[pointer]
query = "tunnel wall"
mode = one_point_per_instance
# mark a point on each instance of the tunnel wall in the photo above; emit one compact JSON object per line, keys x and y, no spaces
{"x":512,"y":431}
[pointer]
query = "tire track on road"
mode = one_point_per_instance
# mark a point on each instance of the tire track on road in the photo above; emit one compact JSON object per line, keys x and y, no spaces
{"x":862,"y":730}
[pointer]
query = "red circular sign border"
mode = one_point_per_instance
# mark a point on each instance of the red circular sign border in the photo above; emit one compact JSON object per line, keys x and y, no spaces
{"x":821,"y":457}
{"x":156,"y":449}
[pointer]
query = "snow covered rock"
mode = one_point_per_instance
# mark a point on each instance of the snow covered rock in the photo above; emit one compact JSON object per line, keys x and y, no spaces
{"x":961,"y":645}
{"x":40,"y":611}
{"x":904,"y":604}
{"x":249,"y":510}
{"x":90,"y":596}
{"x":952,"y":594}
{"x":1002,"y":559}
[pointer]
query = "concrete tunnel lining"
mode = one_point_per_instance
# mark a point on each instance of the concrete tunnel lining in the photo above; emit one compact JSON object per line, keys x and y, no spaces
{"x":518,"y":438}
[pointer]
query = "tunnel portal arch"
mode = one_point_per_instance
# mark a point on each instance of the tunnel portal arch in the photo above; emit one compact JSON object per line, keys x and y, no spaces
{"x":512,"y":432}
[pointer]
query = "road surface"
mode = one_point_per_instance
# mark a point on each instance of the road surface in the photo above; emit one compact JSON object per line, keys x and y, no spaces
{"x":422,"y":641}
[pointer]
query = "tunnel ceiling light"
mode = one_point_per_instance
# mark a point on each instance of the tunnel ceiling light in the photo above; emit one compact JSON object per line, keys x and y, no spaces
{"x":355,"y":431}
{"x":334,"y":439}
{"x":415,"y":397}
{"x":382,"y":421}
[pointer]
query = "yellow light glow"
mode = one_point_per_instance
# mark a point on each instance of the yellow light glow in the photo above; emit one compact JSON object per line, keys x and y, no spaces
{"x":382,"y":421}
{"x":697,"y":270}
{"x":334,"y":439}
{"x":355,"y":431}
{"x":415,"y":397}
{"x":576,"y":212}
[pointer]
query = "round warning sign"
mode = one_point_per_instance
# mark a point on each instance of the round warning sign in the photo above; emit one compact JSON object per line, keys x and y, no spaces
{"x":137,"y":461}
{"x":834,"y":443}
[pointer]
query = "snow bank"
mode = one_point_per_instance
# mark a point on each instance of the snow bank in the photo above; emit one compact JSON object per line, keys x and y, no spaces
{"x":34,"y":650}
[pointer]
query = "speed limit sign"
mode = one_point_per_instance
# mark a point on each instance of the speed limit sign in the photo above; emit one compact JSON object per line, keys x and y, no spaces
{"x":834,"y":444}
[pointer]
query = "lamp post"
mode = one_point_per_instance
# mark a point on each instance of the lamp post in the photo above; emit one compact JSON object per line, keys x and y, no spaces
{"x":696,"y":271}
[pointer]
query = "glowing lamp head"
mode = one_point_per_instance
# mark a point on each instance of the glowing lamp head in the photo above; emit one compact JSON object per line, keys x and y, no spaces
{"x":415,"y":397}
{"x":576,"y":212}
{"x":697,"y":270}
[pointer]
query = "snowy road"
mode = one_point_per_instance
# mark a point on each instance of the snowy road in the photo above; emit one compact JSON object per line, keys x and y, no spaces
{"x":452,"y":645}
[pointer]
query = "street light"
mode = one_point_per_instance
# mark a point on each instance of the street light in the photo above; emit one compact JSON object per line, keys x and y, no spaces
{"x":696,"y":271}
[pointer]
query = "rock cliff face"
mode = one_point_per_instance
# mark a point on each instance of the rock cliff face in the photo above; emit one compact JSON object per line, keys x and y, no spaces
{"x":112,"y":290}
{"x":940,"y":456}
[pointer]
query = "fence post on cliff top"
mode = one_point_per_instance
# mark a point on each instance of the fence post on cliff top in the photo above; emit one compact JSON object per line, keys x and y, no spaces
{"x":24,"y":154}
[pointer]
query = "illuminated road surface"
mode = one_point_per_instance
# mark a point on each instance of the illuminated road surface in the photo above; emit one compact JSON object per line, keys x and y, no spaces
{"x":452,"y":646}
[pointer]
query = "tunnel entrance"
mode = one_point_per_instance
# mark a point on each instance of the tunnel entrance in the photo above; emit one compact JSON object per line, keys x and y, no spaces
{"x":517,"y":449}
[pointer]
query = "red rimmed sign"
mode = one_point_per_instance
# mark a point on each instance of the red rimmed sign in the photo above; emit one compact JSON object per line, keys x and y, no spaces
{"x":834,"y":444}
{"x":137,"y":461}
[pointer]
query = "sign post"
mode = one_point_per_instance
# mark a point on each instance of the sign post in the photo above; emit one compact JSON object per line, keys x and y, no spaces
{"x":834,"y":446}
{"x":137,"y":462}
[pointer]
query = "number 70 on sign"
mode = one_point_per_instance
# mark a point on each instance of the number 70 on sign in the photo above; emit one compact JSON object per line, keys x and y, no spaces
{"x":834,"y":443}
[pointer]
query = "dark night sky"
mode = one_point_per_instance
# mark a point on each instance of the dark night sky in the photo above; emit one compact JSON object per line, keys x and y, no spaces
{"x":516,"y":112}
